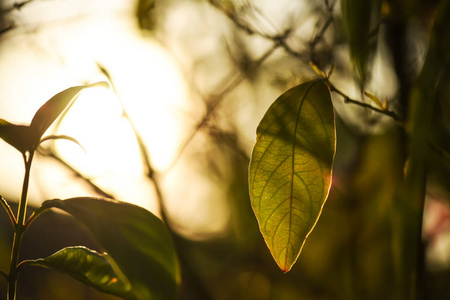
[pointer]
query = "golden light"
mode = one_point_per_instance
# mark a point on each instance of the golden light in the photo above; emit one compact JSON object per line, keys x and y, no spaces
{"x":67,"y":51}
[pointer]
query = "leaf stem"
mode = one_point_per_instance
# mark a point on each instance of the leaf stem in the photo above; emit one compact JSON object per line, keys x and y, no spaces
{"x":347,"y":99}
{"x":35,"y":215}
{"x":8,"y":210}
{"x":19,"y":228}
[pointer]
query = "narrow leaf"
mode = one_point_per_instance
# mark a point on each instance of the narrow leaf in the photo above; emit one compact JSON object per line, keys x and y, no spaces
{"x":136,"y":240}
{"x":87,"y":266}
{"x":360,"y":17}
{"x":62,"y":137}
{"x":48,"y":112}
{"x":290,"y":168}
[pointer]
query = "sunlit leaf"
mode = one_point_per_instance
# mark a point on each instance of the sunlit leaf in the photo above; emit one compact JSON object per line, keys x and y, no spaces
{"x":87,"y":266}
{"x":290,"y":168}
{"x":48,"y":112}
{"x":360,"y":18}
{"x":27,"y":138}
{"x":137,"y":241}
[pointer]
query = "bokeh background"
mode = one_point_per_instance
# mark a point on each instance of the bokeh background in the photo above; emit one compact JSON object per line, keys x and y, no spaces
{"x":190,"y":81}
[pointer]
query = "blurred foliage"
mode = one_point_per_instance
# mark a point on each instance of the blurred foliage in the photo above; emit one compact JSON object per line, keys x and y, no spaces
{"x":238,"y":57}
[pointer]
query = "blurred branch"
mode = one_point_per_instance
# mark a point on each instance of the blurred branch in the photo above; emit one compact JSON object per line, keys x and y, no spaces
{"x":216,"y":99}
{"x":51,"y":154}
{"x":16,"y":6}
{"x":4,"y":275}
{"x":143,"y":150}
{"x":6,"y":29}
{"x":442,"y":153}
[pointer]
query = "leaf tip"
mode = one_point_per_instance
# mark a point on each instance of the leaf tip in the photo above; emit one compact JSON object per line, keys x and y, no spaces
{"x":103,"y":84}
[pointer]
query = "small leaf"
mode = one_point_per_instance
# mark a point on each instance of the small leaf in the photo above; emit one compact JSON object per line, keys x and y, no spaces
{"x":62,"y":137}
{"x":15,"y":135}
{"x":87,"y":266}
{"x":136,"y":240}
{"x":48,"y":112}
{"x":290,"y":168}
{"x":375,"y":99}
{"x":27,"y":138}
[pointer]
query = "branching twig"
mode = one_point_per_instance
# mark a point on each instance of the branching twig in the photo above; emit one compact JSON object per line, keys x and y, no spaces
{"x":347,"y":99}
{"x":9,"y":211}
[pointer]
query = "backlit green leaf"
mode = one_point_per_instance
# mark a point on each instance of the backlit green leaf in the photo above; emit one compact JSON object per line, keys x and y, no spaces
{"x":136,"y":240}
{"x":290,"y":168}
{"x":27,"y":138}
{"x":87,"y":266}
{"x":48,"y":112}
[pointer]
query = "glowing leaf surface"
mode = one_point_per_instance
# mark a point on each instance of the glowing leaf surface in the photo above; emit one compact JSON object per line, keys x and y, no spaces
{"x":290,"y":168}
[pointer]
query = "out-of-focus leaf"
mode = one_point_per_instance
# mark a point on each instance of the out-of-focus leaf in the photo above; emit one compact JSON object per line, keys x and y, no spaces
{"x":48,"y":112}
{"x":15,"y":135}
{"x":136,"y":240}
{"x":358,"y":17}
{"x":290,"y":168}
{"x":145,"y":14}
{"x":87,"y":266}
{"x":409,"y":205}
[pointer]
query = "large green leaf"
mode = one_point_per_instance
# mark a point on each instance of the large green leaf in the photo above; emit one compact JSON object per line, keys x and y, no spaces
{"x":136,"y":240}
{"x":360,"y":17}
{"x":87,"y":266}
{"x":290,"y":168}
{"x":27,"y":138}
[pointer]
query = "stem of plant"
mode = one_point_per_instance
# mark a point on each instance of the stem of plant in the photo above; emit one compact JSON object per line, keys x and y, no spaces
{"x":19,"y":228}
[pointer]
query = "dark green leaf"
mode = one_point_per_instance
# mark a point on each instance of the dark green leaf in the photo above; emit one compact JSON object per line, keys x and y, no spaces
{"x":17,"y":136}
{"x":87,"y":266}
{"x":137,"y":241}
{"x":360,"y":18}
{"x":290,"y":168}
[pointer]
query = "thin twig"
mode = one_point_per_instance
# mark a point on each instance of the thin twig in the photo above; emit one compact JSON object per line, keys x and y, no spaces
{"x":347,"y":99}
{"x":35,"y":215}
{"x":143,"y":150}
{"x":9,"y":211}
{"x":49,"y":153}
